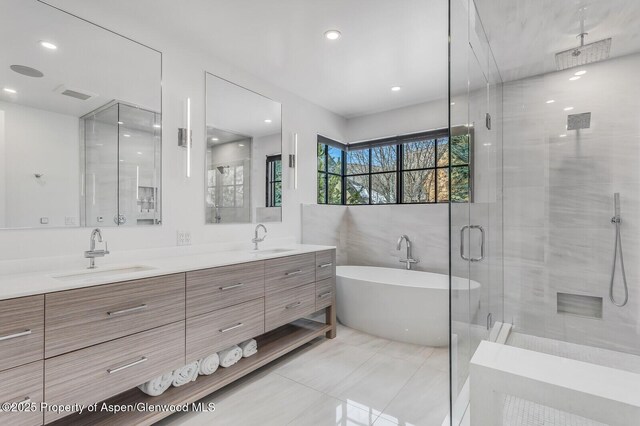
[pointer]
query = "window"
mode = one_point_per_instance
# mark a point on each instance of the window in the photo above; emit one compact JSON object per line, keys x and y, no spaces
{"x":401,"y":170}
{"x":274,"y":181}
{"x":330,"y":172}
{"x":226,"y":186}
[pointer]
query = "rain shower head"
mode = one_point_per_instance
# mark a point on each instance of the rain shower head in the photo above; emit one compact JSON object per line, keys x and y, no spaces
{"x":584,"y":54}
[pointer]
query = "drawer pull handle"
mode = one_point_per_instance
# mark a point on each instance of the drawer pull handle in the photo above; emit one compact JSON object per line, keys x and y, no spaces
{"x":323,"y":295}
{"x":124,"y":367}
{"x":296,"y":272}
{"x":14,"y":335}
{"x":229,"y":287}
{"x":19,"y":403}
{"x":127,"y":311}
{"x":233,"y":327}
{"x":325,"y":265}
{"x":293,"y":305}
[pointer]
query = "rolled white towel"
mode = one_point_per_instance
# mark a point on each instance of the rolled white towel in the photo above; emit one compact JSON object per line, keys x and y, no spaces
{"x":230,"y":356}
{"x":157,"y":386}
{"x":209,"y":365}
{"x":186,"y":374}
{"x":249,"y":347}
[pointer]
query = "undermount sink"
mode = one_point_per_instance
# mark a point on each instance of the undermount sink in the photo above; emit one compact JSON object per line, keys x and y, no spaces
{"x":270,"y":252}
{"x":94,"y":273}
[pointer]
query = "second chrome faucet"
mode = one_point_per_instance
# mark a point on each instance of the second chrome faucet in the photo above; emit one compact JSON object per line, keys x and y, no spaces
{"x":408,"y":260}
{"x":257,"y":240}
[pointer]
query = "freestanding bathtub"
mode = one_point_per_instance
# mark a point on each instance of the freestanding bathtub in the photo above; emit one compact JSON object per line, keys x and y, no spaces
{"x":401,"y":305}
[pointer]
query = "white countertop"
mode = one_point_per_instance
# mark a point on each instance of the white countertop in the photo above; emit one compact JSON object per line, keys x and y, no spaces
{"x":41,"y":282}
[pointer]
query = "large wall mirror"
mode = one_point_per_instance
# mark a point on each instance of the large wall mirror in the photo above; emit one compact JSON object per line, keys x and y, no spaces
{"x":80,"y":122}
{"x":244,"y":155}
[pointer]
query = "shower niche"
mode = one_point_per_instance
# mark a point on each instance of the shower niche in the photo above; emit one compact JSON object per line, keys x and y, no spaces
{"x":122,"y":159}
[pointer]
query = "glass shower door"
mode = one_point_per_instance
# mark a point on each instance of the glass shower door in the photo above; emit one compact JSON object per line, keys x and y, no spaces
{"x":476,"y":217}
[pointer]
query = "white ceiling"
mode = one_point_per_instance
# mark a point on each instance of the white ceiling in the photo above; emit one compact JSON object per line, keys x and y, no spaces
{"x":89,"y":59}
{"x":525,"y":35}
{"x":384,"y":43}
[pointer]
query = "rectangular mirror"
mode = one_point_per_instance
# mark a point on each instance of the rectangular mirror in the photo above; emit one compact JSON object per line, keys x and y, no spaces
{"x":244,"y":155}
{"x":80,"y":122}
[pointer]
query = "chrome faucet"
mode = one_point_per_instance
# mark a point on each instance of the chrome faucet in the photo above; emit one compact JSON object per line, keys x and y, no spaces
{"x":257,"y":240}
{"x":92,"y":253}
{"x":409,"y":260}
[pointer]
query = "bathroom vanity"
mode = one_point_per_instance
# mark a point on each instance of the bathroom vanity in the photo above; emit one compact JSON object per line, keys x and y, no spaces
{"x":89,"y":338}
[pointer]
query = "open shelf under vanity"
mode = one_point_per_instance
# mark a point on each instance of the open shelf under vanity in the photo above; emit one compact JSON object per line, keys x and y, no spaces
{"x":271,"y":346}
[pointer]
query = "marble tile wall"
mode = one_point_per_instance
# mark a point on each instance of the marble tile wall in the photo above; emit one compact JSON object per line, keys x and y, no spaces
{"x":558,"y":201}
{"x":367,"y":235}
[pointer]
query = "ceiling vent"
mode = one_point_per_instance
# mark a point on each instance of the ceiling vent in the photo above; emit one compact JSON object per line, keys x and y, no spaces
{"x":77,"y":95}
{"x":74,"y":93}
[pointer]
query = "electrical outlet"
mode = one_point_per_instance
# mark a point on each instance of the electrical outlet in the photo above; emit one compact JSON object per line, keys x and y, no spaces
{"x":183,"y":238}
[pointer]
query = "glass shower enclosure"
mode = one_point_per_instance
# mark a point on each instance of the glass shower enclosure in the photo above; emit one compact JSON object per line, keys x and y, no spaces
{"x":476,"y":250}
{"x":121,"y":162}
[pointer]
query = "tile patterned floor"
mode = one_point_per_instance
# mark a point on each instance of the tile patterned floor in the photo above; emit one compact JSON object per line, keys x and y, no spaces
{"x":520,"y":412}
{"x":355,"y":379}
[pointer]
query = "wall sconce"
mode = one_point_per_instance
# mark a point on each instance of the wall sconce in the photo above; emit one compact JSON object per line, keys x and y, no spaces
{"x":185,"y":137}
{"x":293,"y":159}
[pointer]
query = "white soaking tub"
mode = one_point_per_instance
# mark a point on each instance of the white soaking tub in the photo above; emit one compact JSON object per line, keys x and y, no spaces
{"x":400,"y":305}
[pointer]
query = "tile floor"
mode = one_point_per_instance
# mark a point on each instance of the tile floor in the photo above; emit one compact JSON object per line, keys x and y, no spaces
{"x":354,"y":379}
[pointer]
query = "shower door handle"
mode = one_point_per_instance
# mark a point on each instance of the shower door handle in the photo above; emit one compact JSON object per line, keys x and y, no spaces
{"x":482,"y":242}
{"x":464,"y":228}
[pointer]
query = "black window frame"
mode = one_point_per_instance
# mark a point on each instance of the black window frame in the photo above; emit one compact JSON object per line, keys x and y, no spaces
{"x":399,"y":142}
{"x":271,"y":181}
{"x":322,"y":140}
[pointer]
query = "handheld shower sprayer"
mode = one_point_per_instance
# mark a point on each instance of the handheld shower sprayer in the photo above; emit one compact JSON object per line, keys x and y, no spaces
{"x":617,"y":221}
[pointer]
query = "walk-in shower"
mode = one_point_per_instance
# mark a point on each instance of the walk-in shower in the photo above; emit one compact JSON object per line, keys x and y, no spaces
{"x":568,"y":140}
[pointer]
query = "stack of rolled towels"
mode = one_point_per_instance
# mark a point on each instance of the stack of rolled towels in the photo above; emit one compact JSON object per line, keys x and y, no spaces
{"x":202,"y":367}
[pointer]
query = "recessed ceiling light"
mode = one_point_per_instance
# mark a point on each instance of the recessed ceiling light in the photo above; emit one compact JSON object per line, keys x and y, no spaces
{"x":267,"y":121}
{"x":157,"y":126}
{"x":240,"y":144}
{"x":48,"y":45}
{"x":127,"y":135}
{"x":563,"y":135}
{"x":582,"y":72}
{"x":9,"y":90}
{"x":486,"y":144}
{"x":139,"y":153}
{"x":550,"y":101}
{"x":568,"y":108}
{"x":120,"y":123}
{"x":214,"y":139}
{"x":122,"y":161}
{"x":396,"y":88}
{"x":453,"y":103}
{"x":574,"y":78}
{"x":333,"y":34}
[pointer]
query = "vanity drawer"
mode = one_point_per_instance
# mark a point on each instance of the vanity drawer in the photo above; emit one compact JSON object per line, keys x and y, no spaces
{"x":288,"y":272}
{"x":21,"y":331}
{"x":22,"y":386}
{"x":325,"y":293}
{"x":218,"y":330}
{"x":286,"y":306}
{"x":99,"y":372}
{"x":218,"y":288}
{"x":79,"y":318}
{"x":325,"y":264}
